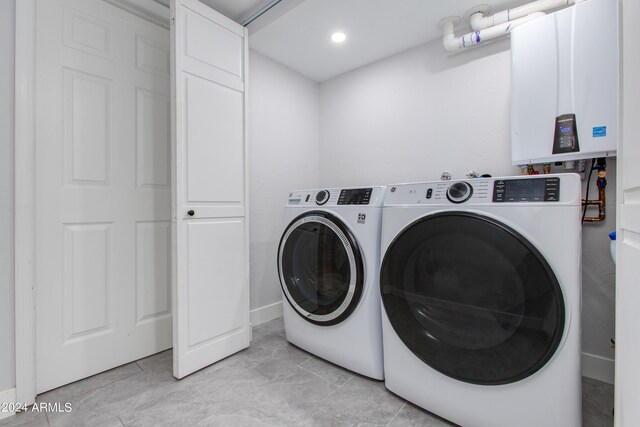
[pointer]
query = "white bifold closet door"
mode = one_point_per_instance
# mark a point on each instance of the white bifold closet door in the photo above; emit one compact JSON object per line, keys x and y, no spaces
{"x":103,"y":190}
{"x":627,"y":409}
{"x":140,"y":188}
{"x":210,"y":229}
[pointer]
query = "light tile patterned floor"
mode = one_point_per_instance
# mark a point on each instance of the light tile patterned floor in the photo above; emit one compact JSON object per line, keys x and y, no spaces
{"x":271,"y":383}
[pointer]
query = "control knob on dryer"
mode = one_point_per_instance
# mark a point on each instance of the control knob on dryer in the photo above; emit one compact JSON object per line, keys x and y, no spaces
{"x":459,"y":192}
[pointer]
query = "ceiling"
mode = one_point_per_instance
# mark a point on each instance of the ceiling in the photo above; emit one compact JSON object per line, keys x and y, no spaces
{"x":299,"y":36}
{"x":237,"y":10}
{"x":297,"y":33}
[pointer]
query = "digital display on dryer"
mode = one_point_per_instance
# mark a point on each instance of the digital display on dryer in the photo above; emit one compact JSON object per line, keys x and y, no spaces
{"x":527,"y":190}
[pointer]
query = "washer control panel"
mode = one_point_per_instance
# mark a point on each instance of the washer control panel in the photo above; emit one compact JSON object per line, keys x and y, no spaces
{"x":527,"y":190}
{"x":343,"y":197}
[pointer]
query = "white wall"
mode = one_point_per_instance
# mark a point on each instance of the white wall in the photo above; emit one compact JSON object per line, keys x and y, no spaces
{"x":411,"y":116}
{"x":283,"y":121}
{"x":7,"y":370}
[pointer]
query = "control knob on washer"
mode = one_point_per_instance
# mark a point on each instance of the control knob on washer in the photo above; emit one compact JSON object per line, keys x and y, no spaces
{"x":322,"y":197}
{"x":459,"y":192}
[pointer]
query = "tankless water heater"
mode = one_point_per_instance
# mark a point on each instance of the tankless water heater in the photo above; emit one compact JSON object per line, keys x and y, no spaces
{"x":564,"y":85}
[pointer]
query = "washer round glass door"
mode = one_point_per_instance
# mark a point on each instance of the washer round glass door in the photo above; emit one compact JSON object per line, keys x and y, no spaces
{"x":472,"y":298}
{"x":320,"y":267}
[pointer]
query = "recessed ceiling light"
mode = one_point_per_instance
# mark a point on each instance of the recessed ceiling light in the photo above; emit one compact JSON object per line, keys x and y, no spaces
{"x":338,"y":37}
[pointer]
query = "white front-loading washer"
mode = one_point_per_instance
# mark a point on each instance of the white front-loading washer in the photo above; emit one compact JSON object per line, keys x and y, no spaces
{"x":328,"y":261}
{"x":481,"y":286}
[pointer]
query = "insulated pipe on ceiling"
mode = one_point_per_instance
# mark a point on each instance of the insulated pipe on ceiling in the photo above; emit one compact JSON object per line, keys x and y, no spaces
{"x":479,"y":22}
{"x":452,"y":43}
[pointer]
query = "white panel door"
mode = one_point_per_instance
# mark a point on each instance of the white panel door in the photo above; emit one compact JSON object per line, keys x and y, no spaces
{"x":627,"y":408}
{"x":103,"y":188}
{"x":211,"y":288}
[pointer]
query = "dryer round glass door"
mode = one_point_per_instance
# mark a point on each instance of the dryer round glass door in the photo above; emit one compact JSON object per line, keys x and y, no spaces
{"x":320,"y":267}
{"x":472,"y":298}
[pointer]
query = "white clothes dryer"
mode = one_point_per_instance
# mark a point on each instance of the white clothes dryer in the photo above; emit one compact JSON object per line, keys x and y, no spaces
{"x":328,"y":261}
{"x":481,"y":287}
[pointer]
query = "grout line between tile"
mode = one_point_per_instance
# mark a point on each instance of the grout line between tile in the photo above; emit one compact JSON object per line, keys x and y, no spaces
{"x":337,"y":388}
{"x":324,"y":379}
{"x":325,"y":397}
{"x":112,"y":382}
{"x":94,"y":389}
{"x":311,"y":372}
{"x":46,"y":417}
{"x":309,"y":357}
{"x":330,"y":382}
{"x":394,"y":417}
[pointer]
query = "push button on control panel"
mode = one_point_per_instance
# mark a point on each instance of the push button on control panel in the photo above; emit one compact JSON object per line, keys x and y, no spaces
{"x":552,"y":190}
{"x":499,"y":189}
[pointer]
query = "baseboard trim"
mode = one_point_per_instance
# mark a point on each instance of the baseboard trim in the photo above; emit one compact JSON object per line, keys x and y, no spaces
{"x":266,"y":313}
{"x":7,"y":396}
{"x":598,"y":367}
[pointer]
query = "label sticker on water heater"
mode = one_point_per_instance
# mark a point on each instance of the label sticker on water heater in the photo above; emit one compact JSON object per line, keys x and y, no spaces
{"x":599,"y":131}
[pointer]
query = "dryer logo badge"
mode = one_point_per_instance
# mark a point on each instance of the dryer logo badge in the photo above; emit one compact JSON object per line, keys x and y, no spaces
{"x":362,"y":218}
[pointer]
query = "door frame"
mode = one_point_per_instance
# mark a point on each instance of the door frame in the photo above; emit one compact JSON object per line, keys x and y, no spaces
{"x":24,"y":184}
{"x":24,"y":200}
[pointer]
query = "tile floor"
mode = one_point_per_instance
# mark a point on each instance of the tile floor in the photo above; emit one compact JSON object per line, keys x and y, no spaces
{"x":271,"y":383}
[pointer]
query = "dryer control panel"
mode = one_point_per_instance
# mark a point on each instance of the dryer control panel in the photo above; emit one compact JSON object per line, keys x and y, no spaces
{"x":334,"y":197}
{"x":501,"y":191}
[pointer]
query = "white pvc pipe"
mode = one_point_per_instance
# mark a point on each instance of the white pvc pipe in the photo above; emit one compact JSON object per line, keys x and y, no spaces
{"x":479,"y":22}
{"x":452,"y":43}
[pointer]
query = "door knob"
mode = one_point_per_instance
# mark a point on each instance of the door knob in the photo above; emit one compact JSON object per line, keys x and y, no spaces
{"x":191,"y":212}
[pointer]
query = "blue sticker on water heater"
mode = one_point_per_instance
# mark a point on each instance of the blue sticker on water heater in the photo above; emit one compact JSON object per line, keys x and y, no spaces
{"x":599,"y":131}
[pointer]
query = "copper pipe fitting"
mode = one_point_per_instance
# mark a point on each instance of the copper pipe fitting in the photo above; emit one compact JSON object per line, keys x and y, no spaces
{"x":600,"y":202}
